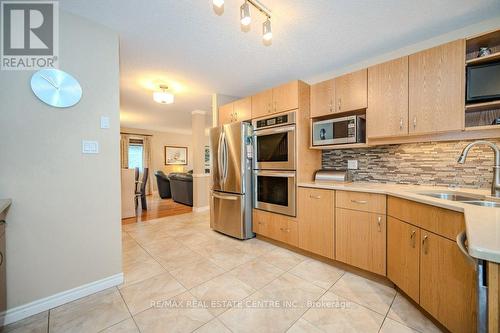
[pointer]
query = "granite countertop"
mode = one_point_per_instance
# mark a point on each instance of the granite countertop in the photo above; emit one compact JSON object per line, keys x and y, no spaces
{"x":482,"y":224}
{"x":4,"y":204}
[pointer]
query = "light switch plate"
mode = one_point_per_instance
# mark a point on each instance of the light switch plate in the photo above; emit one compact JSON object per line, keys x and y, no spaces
{"x":352,"y":164}
{"x":104,"y":122}
{"x":90,"y":147}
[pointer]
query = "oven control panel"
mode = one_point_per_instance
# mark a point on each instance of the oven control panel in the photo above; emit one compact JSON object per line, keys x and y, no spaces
{"x":288,"y":118}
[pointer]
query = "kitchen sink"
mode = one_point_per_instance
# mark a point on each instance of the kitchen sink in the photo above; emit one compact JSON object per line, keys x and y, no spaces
{"x":453,"y":196}
{"x":483,"y":203}
{"x":466,"y":198}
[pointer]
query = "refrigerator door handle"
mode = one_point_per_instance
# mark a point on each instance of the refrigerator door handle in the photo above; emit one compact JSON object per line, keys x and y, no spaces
{"x":226,"y":152}
{"x":219,"y":157}
{"x":225,"y":197}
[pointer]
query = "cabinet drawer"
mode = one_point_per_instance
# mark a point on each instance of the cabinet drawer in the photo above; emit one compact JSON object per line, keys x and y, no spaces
{"x":276,"y":226}
{"x":360,"y":239}
{"x":366,"y":202}
{"x":444,"y":222}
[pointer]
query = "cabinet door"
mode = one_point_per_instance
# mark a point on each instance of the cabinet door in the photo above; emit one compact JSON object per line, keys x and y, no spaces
{"x":243,"y":109}
{"x":436,"y":89}
{"x":315,"y":221}
{"x":226,"y":113}
{"x":286,"y":97}
{"x":351,"y":91}
{"x":360,"y":239}
{"x":262,"y":103}
{"x":403,"y":253}
{"x":447,"y":283}
{"x":387,"y":113}
{"x":323,"y":98}
{"x":275,"y":226}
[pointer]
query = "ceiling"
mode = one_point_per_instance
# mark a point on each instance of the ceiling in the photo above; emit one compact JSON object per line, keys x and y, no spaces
{"x":185,"y":44}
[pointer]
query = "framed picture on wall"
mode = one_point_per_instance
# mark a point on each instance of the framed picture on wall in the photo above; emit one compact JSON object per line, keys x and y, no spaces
{"x":176,"y":155}
{"x":208,"y":163}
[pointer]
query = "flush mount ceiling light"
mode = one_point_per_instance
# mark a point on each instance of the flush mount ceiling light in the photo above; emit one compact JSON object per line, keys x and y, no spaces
{"x":163,"y":96}
{"x":246,"y":18}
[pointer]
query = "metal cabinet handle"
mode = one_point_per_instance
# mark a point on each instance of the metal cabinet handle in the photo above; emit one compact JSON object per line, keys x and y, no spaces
{"x":379,"y":223}
{"x":401,"y":123}
{"x":461,"y":238}
{"x":362,"y":202}
{"x":413,"y":238}
{"x":285,"y":229}
{"x":424,"y":241}
{"x":315,"y":196}
{"x":340,"y":104}
{"x":1,"y":258}
{"x":2,"y":222}
{"x":414,"y":122}
{"x":275,"y":105}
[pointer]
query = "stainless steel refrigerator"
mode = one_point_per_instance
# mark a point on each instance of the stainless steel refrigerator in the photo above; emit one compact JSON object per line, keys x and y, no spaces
{"x":231,"y":194}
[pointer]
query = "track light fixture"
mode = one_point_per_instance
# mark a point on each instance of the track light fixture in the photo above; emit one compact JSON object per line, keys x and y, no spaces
{"x":246,"y":18}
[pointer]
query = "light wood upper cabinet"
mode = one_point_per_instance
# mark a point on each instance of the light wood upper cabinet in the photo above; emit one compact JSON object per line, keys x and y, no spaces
{"x":351,"y":91}
{"x":436,"y":89}
{"x":447,"y":283}
{"x":239,"y":110}
{"x":316,"y":220}
{"x":387,"y":112}
{"x":226,"y":113}
{"x":286,"y":97}
{"x":323,"y":98}
{"x":360,"y":239}
{"x":403,"y":253}
{"x":279,"y":99}
{"x":262,"y":103}
{"x":243,"y":109}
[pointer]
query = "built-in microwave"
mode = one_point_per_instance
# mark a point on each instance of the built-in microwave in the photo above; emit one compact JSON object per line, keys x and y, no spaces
{"x":351,"y":129}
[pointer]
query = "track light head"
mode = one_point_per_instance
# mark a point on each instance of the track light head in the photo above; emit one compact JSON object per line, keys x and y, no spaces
{"x":267,"y":32}
{"x":218,"y":3}
{"x":245,"y":17}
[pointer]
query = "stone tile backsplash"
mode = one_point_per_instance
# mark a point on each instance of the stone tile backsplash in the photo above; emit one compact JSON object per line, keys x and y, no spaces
{"x":431,"y":163}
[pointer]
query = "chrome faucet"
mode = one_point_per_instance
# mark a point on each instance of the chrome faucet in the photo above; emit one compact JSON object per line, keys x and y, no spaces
{"x":495,"y":185}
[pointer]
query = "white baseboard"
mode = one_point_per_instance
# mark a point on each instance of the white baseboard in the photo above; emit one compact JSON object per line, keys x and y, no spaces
{"x":44,"y":304}
{"x":201,"y":209}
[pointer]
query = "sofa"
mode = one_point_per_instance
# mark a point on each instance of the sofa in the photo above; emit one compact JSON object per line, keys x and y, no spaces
{"x":181,"y":186}
{"x":163,"y":185}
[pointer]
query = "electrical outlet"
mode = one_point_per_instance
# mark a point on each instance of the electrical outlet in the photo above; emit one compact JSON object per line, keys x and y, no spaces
{"x":352,"y":164}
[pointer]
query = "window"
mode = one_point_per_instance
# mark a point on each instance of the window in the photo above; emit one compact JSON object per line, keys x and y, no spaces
{"x":135,"y":155}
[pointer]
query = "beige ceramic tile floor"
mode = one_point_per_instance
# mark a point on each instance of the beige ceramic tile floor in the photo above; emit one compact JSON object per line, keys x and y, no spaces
{"x":180,"y":276}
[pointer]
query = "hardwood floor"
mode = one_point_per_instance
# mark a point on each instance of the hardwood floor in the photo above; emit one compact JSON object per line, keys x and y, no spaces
{"x":158,"y":208}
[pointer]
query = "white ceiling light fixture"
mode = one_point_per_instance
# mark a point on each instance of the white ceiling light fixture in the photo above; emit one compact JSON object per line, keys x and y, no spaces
{"x":163,"y":96}
{"x":246,"y":18}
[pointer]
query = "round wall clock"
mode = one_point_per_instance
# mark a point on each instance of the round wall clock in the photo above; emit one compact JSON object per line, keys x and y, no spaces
{"x":56,"y":88}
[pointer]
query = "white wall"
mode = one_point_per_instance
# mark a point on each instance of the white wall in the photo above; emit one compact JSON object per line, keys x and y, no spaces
{"x":64,"y":224}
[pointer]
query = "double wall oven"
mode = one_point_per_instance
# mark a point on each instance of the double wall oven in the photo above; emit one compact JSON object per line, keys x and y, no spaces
{"x":275,"y":163}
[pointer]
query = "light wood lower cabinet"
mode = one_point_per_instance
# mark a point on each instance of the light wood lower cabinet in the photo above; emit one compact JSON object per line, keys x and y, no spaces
{"x":447,"y":283}
{"x":403,"y":253}
{"x":275,"y":226}
{"x":316,"y":220}
{"x":360,"y":239}
{"x":429,"y":267}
